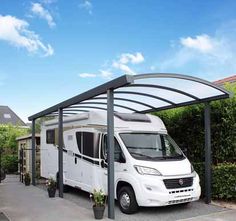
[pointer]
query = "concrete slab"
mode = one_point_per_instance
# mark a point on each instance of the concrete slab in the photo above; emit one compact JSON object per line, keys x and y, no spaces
{"x":21,"y":203}
{"x":219,"y":216}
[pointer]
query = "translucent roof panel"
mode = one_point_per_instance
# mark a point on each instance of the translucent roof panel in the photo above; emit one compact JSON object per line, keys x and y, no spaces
{"x":192,"y":87}
{"x":142,"y":93}
{"x":168,"y":95}
{"x":102,"y":106}
{"x":119,"y":102}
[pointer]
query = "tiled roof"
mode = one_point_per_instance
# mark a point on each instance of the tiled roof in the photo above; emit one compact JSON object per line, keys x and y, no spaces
{"x":7,"y":116}
{"x":230,"y":79}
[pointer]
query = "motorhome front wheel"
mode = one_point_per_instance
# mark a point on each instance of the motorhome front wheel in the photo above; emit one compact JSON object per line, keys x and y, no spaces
{"x":127,"y":200}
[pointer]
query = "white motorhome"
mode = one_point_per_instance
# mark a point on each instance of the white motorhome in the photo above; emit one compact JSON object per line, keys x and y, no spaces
{"x":150,"y":169}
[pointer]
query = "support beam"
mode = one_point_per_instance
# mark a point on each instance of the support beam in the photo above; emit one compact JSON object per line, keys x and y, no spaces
{"x":60,"y":151}
{"x":110,"y":143}
{"x":33,"y":152}
{"x":207,"y":116}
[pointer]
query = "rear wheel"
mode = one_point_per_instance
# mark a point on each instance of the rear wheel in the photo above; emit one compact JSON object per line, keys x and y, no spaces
{"x":127,"y":201}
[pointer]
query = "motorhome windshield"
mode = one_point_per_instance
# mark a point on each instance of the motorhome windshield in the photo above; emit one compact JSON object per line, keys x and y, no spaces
{"x":151,"y":146}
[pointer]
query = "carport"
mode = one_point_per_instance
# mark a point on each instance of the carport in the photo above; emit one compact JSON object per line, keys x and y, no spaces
{"x":142,"y":93}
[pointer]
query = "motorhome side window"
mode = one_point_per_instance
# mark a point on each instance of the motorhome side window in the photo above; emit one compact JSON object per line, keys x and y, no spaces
{"x":50,"y":136}
{"x":88,"y":143}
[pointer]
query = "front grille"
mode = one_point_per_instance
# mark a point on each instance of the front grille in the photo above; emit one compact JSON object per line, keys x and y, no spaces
{"x":180,"y":201}
{"x":178,"y":183}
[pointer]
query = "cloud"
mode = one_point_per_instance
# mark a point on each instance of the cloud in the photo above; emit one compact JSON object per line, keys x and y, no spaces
{"x":102,"y":73}
{"x":208,"y":56}
{"x":125,"y":59}
{"x":87,"y":5}
{"x":202,"y":43}
{"x":152,"y":68}
{"x":131,"y":58}
{"x":48,"y":2}
{"x":109,"y":67}
{"x":15,"y":31}
{"x":38,"y":10}
{"x":123,"y":68}
{"x":87,"y":75}
{"x":106,"y":73}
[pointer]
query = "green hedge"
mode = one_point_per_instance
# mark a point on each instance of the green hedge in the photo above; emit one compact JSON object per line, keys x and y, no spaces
{"x":10,"y":163}
{"x":223,"y":180}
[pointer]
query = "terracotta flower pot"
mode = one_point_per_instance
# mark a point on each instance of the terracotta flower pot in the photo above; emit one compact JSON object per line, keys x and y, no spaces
{"x":98,"y":211}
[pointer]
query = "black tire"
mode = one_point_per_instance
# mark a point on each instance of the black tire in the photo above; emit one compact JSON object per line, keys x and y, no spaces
{"x":127,"y":200}
{"x":66,"y":188}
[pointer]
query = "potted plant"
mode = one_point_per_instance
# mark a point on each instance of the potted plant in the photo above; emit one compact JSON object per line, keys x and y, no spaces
{"x":27,"y":179}
{"x":51,"y":187}
{"x":99,"y":199}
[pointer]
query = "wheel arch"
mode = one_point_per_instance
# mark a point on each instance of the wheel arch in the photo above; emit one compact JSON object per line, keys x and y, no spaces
{"x":120,"y":184}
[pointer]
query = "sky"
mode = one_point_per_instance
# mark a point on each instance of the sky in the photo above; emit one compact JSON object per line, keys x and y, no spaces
{"x":51,"y":50}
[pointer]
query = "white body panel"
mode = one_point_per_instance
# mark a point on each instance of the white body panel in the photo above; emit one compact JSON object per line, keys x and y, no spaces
{"x":86,"y":172}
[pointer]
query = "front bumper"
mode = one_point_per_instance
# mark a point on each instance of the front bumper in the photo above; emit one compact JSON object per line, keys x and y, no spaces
{"x":152,"y":192}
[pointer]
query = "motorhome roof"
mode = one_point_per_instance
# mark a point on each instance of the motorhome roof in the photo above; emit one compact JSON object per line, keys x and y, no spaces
{"x":98,"y":120}
{"x":134,"y":117}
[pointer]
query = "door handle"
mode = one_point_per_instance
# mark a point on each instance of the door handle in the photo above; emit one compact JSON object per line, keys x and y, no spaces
{"x":105,"y":174}
{"x":75,"y":160}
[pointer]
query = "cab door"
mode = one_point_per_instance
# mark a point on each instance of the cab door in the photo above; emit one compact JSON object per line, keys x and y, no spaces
{"x":119,"y":160}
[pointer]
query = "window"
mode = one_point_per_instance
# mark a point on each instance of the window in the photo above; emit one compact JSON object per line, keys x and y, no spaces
{"x":50,"y":136}
{"x":7,"y":116}
{"x":117,"y":149}
{"x":88,"y":143}
{"x":151,"y":146}
{"x":37,"y":141}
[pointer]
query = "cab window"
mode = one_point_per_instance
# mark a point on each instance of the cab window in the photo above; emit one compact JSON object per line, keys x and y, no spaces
{"x":117,"y":149}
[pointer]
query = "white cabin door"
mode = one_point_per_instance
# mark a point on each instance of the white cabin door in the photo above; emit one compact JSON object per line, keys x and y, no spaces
{"x":118,"y":165}
{"x":73,"y":161}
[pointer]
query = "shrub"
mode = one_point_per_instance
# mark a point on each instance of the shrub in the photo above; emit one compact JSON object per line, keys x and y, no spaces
{"x":223,"y":180}
{"x":99,"y":197}
{"x":10,"y":163}
{"x":51,"y":183}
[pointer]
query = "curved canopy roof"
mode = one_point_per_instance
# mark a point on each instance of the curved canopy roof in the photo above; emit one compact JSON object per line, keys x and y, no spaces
{"x":142,"y":93}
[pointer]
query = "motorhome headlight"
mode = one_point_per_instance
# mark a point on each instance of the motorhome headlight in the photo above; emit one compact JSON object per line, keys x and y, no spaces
{"x":147,"y":171}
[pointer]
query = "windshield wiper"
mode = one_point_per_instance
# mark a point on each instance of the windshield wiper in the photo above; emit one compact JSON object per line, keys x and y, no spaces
{"x":142,"y":155}
{"x":148,"y":148}
{"x":174,"y":157}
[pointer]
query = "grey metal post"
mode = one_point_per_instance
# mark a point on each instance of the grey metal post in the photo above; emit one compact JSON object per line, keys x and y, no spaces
{"x":110,"y":143}
{"x":207,"y":120}
{"x":60,"y":151}
{"x":33,"y":152}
